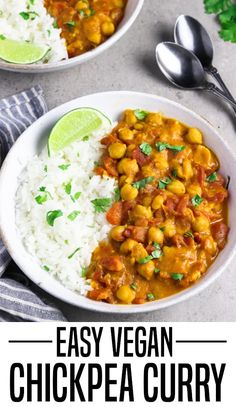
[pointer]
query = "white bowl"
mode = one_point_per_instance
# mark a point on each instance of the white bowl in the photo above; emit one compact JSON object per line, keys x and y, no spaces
{"x":112,"y":104}
{"x":132,"y":11}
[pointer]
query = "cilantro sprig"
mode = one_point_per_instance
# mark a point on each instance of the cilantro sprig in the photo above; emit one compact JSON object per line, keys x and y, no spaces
{"x":226,"y":13}
{"x":101,"y":204}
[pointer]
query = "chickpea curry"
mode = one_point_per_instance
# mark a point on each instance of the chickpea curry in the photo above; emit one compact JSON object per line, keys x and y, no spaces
{"x":85,"y":24}
{"x":169,"y":220}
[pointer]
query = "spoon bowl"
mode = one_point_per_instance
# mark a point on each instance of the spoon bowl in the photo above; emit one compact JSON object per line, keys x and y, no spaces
{"x":180,"y":66}
{"x":193,"y":36}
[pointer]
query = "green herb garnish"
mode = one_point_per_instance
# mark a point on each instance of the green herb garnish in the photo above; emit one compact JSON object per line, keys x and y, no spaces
{"x":150,"y":297}
{"x":212,"y":177}
{"x":142,"y":182}
{"x":163,"y":146}
{"x":146,"y":148}
{"x":156,"y":271}
{"x":189,"y":234}
{"x":74,"y":252}
{"x":117,"y":194}
{"x":174,"y":173}
{"x":64,"y":167}
{"x":46,"y":268}
{"x":84,"y":271}
{"x":133,"y":286}
{"x":140,"y":114}
{"x":28,"y":15}
{"x":162,"y":183}
{"x":226,"y":13}
{"x":101,"y":204}
{"x":73,"y":215}
{"x":40,"y":199}
{"x":77,"y":195}
{"x":70,"y":23}
{"x":85,"y":138}
{"x":145,"y":260}
{"x":55,"y":25}
{"x":53,"y":215}
{"x":45,"y":168}
{"x":67,"y":188}
{"x":157,"y":253}
{"x":196,"y":200}
{"x":177,"y":276}
{"x":2,"y":37}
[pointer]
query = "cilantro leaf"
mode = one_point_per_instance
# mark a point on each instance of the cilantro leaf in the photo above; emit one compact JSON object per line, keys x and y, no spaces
{"x":212,"y":177}
{"x":163,"y":146}
{"x":196,"y":200}
{"x":140,"y":114}
{"x":70,"y":23}
{"x":145,"y":260}
{"x":117,"y":194}
{"x":73,"y":215}
{"x":64,"y":167}
{"x":189,"y":234}
{"x":216,"y":6}
{"x":162,"y":183}
{"x":177,"y":276}
{"x":52,"y":216}
{"x":68,"y":187}
{"x":150,"y":297}
{"x":72,"y":254}
{"x":142,"y":182}
{"x":101,"y":204}
{"x":228,"y":32}
{"x":146,"y":148}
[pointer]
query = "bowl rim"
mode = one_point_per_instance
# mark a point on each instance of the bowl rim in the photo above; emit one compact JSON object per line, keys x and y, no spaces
{"x":70,"y":62}
{"x":92,"y":305}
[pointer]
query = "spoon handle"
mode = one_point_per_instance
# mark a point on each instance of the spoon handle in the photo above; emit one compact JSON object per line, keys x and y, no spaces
{"x":214,"y":72}
{"x":210,"y":87}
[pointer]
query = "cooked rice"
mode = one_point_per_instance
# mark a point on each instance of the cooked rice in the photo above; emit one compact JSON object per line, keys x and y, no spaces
{"x":51,"y":246}
{"x":36,"y":27}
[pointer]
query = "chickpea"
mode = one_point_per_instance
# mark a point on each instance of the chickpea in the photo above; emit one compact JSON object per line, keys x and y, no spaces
{"x":147,"y":200}
{"x":117,"y":150}
{"x":194,"y":189}
{"x":126,"y":134}
{"x":81,"y":5}
{"x":154,"y":118}
{"x":138,"y":126}
{"x":194,"y":136}
{"x":127,"y":246}
{"x":210,"y":245}
{"x":94,"y":37}
{"x":116,"y":233}
{"x":158,"y":202}
{"x":128,"y":192}
{"x":118,"y":3}
{"x":203,"y":156}
{"x":142,"y":211}
{"x":139,"y":252}
{"x":130,"y":118}
{"x":185,"y":171}
{"x":155,"y":235}
{"x":170,"y":229}
{"x":148,"y":171}
{"x":146,"y":270}
{"x":161,"y":162}
{"x":124,"y":180}
{"x":201,"y":224}
{"x":108,"y":28}
{"x":130,"y":149}
{"x":128,"y":166}
{"x":176,"y":187}
{"x":125,"y":294}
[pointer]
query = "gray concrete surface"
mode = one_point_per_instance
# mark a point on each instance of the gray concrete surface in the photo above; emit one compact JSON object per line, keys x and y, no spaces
{"x":130,"y":65}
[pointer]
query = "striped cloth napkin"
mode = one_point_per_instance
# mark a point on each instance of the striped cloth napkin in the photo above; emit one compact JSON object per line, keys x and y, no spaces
{"x":17,"y":301}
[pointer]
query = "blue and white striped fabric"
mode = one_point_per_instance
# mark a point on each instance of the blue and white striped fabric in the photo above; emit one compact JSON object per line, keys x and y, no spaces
{"x":18,"y":302}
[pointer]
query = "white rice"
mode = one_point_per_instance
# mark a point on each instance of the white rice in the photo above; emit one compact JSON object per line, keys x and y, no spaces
{"x":51,"y":245}
{"x":38,"y":28}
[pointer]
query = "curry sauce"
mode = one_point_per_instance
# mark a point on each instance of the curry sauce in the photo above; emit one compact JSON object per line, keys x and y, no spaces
{"x":170,"y":215}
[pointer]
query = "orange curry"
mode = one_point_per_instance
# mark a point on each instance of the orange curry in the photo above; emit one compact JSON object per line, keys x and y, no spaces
{"x":170,"y":216}
{"x":85,"y":24}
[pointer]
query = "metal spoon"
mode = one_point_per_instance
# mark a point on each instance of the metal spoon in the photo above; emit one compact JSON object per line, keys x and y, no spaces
{"x":182,"y":68}
{"x":193,"y":36}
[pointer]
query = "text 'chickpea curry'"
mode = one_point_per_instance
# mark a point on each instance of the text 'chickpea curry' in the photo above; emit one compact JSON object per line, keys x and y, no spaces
{"x":85,"y":24}
{"x":170,"y":214}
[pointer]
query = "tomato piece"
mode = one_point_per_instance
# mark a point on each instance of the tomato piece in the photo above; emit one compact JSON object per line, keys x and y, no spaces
{"x":110,"y":166}
{"x":108,"y":140}
{"x":137,"y":233}
{"x":139,"y":156}
{"x":182,"y":204}
{"x":219,"y":232}
{"x":114,"y":214}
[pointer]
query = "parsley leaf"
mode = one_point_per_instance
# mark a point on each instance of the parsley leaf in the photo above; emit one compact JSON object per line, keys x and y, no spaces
{"x":140,"y":114}
{"x":162,"y":183}
{"x":142,"y":182}
{"x":150,"y":297}
{"x":101,"y":204}
{"x":28,"y":15}
{"x":196,"y":200}
{"x":226,"y":13}
{"x":212,"y":177}
{"x":84,"y":271}
{"x":46,"y":268}
{"x":216,"y":6}
{"x":70,"y":23}
{"x":145,"y":260}
{"x":133,"y":286}
{"x":67,"y":188}
{"x":189,"y":234}
{"x":163,"y":146}
{"x":53,"y":215}
{"x":146,"y":148}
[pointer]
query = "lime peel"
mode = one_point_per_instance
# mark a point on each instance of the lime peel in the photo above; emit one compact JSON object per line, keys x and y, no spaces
{"x":21,"y":52}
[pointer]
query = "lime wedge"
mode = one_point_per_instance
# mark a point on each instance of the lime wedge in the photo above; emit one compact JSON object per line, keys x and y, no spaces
{"x":21,"y":52}
{"x":76,"y":125}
